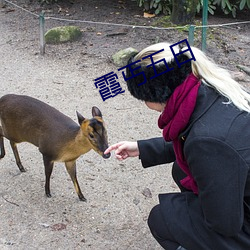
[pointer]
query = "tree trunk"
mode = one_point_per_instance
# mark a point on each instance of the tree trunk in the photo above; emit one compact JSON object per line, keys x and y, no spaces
{"x":183,"y":11}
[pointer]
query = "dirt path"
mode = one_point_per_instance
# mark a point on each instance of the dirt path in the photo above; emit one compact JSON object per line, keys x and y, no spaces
{"x":118,"y":199}
{"x":115,"y":215}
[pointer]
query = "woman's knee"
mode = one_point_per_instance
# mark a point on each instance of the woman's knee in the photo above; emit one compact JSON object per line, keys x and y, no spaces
{"x":153,"y":218}
{"x":159,"y":229}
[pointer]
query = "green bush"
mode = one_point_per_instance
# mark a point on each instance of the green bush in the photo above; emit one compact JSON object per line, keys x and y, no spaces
{"x":232,"y":6}
{"x":211,"y":7}
{"x":227,"y":6}
{"x":165,"y":6}
{"x":156,"y":6}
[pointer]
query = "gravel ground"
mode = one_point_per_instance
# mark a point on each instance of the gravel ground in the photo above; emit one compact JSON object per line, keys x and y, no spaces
{"x":119,"y":195}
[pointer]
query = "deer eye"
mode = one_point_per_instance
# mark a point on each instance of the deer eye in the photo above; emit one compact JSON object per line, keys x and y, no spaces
{"x":91,"y":136}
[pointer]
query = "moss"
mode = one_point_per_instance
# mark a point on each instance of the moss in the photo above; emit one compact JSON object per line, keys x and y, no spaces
{"x":210,"y":34}
{"x":163,"y":22}
{"x":63,"y":34}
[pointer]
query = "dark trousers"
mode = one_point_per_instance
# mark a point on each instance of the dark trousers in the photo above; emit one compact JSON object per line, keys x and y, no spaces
{"x":156,"y":221}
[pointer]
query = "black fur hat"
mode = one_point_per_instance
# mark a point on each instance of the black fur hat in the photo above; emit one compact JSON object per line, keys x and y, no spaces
{"x":159,"y":88}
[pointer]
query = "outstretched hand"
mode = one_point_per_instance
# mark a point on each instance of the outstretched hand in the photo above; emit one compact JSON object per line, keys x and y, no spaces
{"x":124,"y":150}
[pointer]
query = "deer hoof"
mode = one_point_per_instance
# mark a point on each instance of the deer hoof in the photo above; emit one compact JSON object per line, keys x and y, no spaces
{"x":82,"y":198}
{"x":48,"y":195}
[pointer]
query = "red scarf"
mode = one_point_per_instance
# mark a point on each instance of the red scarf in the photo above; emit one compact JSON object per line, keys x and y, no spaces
{"x":174,"y":119}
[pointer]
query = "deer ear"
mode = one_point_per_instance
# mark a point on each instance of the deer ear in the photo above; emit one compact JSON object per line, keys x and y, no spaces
{"x":96,"y":112}
{"x":80,"y":118}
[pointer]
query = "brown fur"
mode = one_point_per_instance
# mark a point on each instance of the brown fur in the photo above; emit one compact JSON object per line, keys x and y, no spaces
{"x":59,"y":138}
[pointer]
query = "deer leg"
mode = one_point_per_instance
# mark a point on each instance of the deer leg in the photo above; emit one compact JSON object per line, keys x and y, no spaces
{"x":1,"y":144}
{"x":71,"y":168}
{"x":48,"y":165}
{"x":18,"y":161}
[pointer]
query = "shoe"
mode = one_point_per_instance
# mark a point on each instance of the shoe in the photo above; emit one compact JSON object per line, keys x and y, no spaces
{"x":181,"y":248}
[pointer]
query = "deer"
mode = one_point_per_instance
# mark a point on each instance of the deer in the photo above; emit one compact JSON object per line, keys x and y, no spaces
{"x":58,"y":137}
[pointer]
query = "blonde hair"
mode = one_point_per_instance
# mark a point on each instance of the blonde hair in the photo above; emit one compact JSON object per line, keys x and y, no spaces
{"x":205,"y":69}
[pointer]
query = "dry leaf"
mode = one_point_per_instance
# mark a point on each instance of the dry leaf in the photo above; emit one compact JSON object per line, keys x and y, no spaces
{"x":147,"y":15}
{"x":58,"y":227}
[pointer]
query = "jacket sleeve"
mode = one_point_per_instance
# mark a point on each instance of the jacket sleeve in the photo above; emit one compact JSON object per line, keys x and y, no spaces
{"x":220,"y":173}
{"x":155,"y":151}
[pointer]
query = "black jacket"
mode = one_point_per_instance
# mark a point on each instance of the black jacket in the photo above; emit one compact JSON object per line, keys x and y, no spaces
{"x":216,"y":145}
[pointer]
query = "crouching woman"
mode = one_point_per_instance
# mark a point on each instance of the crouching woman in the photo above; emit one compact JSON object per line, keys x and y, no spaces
{"x":205,"y":120}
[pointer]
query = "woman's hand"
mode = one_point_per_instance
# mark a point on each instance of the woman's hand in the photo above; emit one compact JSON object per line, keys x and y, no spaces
{"x":124,"y":150}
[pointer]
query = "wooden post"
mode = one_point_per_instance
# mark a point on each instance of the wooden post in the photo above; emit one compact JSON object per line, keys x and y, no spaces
{"x":204,"y":23}
{"x":42,"y":32}
{"x":191,"y":35}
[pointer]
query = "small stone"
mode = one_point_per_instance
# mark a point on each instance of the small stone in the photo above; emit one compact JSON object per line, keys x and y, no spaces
{"x":136,"y":201}
{"x":147,"y":193}
{"x":239,"y":76}
{"x":121,"y":58}
{"x":2,"y":3}
{"x":63,"y":34}
{"x":45,"y":225}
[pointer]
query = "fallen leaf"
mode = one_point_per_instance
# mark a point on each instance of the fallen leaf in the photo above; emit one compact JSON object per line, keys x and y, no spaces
{"x":58,"y":227}
{"x":147,"y":15}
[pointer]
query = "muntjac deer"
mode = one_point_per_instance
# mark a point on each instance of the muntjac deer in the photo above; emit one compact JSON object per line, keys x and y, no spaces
{"x":59,"y":139}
